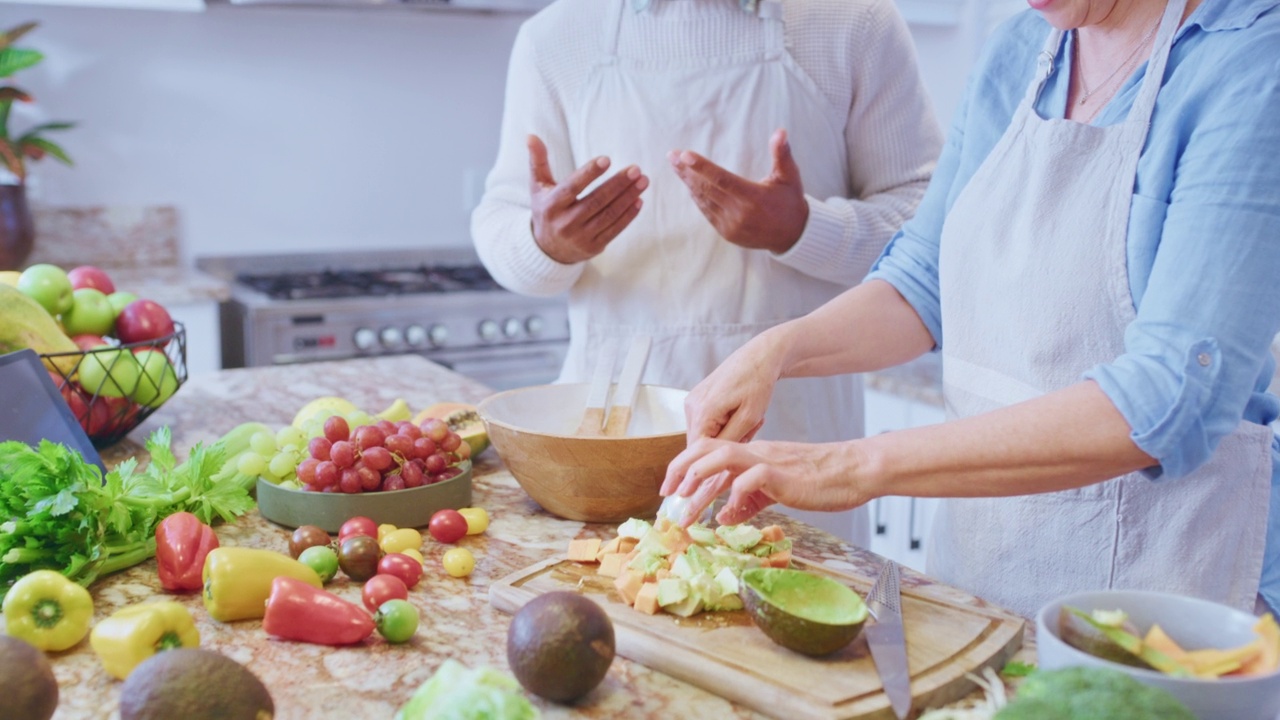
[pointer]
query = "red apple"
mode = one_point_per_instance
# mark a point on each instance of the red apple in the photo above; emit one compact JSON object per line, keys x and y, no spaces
{"x":143,"y":320}
{"x":88,"y":342}
{"x":88,"y":276}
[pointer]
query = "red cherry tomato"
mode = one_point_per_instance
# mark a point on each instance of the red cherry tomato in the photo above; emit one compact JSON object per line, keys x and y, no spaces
{"x":381,"y":588}
{"x":406,"y":568}
{"x":447,"y":526}
{"x":358,"y":525}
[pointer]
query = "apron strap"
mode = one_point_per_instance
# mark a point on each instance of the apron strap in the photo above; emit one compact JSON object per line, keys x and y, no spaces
{"x":613,"y":26}
{"x":1145,"y":103}
{"x":770,"y":11}
{"x":1045,"y":63}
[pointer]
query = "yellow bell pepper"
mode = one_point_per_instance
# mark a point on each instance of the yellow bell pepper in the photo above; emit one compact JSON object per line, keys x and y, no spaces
{"x":237,"y":581}
{"x":47,"y":610}
{"x":137,"y":632}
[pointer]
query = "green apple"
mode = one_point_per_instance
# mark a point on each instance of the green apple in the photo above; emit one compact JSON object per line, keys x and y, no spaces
{"x":158,"y":381}
{"x":48,"y":285}
{"x":109,"y":373}
{"x":90,"y":314}
{"x":119,"y":299}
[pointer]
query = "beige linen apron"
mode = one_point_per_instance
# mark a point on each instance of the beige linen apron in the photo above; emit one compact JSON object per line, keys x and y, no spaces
{"x":670,"y":274}
{"x":1035,"y":291}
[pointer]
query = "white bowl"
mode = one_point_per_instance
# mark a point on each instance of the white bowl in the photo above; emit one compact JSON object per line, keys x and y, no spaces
{"x":1193,"y":624}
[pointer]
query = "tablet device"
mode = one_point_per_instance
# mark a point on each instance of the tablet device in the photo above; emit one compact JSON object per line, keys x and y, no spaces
{"x":32,"y":408}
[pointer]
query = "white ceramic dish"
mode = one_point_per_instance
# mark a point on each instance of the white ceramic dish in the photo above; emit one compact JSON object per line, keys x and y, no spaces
{"x":1193,"y":624}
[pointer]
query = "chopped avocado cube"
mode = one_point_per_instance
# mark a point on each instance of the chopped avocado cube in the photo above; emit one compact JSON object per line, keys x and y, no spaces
{"x":682,"y":569}
{"x":702,"y":534}
{"x":648,"y":563}
{"x":634,"y":528}
{"x":739,"y":537}
{"x":672,"y":590}
{"x":727,"y":579}
{"x":688,"y":607}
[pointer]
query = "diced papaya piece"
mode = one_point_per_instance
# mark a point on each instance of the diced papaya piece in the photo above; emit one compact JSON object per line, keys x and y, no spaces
{"x":662,"y":575}
{"x":1267,"y":659}
{"x":628,"y":585}
{"x":780,"y":559}
{"x":626,"y":544}
{"x":647,"y":598}
{"x":611,"y":565}
{"x":584,"y":549}
{"x":1212,"y":662}
{"x":609,"y":547}
{"x":1158,"y":639}
{"x":772,"y":533}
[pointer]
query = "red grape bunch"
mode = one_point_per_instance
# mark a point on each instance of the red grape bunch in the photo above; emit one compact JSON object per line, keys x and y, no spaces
{"x":383,"y":456}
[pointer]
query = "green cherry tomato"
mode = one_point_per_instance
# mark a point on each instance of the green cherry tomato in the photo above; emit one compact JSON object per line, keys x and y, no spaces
{"x":396,"y":620}
{"x":322,"y":559}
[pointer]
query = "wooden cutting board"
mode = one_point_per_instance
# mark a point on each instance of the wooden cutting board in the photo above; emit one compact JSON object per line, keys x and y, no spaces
{"x":724,"y":653}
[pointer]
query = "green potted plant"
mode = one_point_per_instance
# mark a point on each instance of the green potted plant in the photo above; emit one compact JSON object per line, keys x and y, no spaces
{"x":17,"y":233}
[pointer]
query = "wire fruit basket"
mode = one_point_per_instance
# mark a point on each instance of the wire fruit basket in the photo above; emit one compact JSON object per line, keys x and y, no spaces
{"x":111,"y":389}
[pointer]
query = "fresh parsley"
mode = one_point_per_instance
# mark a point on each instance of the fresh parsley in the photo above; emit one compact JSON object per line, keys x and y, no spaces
{"x":59,"y":512}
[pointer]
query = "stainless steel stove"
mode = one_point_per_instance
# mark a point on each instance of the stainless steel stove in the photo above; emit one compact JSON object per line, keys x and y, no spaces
{"x":441,"y":304}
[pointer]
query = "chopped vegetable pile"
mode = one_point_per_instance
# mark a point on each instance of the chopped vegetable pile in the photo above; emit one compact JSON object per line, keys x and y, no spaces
{"x":58,"y":512}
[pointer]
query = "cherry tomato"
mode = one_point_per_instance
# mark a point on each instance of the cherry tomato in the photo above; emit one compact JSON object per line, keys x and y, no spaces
{"x":402,"y":566}
{"x":381,"y":588}
{"x":306,"y":536}
{"x":401,"y":539}
{"x":358,"y":557}
{"x":477,"y":519}
{"x":385,"y":528}
{"x":358,"y":525}
{"x":459,"y":562}
{"x":396,"y":620}
{"x":447,"y":526}
{"x":322,"y":559}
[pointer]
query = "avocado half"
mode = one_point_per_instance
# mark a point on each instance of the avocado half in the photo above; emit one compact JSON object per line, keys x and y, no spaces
{"x":810,"y":614}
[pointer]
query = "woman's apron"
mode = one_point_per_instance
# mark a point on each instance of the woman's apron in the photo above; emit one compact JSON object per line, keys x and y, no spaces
{"x":1035,"y":292}
{"x":669,"y":274}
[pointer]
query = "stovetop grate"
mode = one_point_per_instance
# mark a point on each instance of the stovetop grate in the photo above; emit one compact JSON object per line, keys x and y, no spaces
{"x":328,"y":283}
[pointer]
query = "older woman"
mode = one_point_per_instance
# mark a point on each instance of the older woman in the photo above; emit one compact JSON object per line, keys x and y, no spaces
{"x":1098,"y":260}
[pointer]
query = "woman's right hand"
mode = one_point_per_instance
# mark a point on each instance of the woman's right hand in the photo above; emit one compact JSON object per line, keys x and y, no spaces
{"x":730,"y":403}
{"x":572,"y":229}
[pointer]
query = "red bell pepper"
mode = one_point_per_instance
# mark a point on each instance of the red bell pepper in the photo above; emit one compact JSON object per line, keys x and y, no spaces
{"x":182,"y":543}
{"x":298,"y":611}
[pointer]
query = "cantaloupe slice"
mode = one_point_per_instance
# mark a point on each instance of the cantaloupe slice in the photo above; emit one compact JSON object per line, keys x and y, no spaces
{"x":611,"y":565}
{"x":628,"y":585}
{"x":1267,"y":659}
{"x":1212,"y":662}
{"x":647,"y":598}
{"x":584,"y":549}
{"x":609,"y":547}
{"x":780,"y":559}
{"x":772,"y":533}
{"x":627,"y":544}
{"x":1158,"y":639}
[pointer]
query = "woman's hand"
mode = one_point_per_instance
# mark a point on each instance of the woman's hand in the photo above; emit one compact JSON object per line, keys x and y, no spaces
{"x":766,"y":215}
{"x":799,"y":475}
{"x":730,"y":402}
{"x":572,"y":229}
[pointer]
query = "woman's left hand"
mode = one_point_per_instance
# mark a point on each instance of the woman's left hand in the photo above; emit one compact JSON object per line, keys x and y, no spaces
{"x":767,"y":215}
{"x":805,"y":476}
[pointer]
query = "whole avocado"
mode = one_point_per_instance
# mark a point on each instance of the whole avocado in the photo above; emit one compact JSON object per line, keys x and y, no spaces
{"x":1091,"y":693}
{"x":194,"y":684}
{"x":560,"y":645}
{"x":27,"y":684}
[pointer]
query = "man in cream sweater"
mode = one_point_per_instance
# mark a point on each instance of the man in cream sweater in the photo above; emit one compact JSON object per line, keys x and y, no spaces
{"x":700,"y":170}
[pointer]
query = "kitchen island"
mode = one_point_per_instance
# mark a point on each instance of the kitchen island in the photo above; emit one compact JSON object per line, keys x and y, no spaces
{"x":372,"y":680}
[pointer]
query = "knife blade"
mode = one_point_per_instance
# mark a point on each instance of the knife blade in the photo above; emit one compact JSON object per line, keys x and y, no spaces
{"x":887,"y":641}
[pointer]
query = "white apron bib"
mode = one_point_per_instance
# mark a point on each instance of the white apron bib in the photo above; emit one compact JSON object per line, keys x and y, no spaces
{"x":1035,"y":291}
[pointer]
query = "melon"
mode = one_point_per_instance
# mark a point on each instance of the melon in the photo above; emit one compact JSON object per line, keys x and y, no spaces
{"x":462,"y":419}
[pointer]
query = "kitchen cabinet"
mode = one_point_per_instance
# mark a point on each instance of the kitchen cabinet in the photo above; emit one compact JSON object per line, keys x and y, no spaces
{"x":899,"y":525}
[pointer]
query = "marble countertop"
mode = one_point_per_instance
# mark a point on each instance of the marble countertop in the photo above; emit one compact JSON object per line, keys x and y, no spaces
{"x":372,"y":680}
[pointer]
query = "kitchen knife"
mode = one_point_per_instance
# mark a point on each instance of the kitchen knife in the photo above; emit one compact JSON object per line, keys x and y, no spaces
{"x":597,"y":396}
{"x":628,"y":383}
{"x":887,"y":641}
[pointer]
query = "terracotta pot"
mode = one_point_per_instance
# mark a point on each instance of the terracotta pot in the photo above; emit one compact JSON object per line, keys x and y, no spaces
{"x":17,"y":232}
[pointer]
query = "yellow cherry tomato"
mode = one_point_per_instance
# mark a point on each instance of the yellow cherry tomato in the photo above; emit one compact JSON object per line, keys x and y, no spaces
{"x":384,"y":529}
{"x":459,"y":562}
{"x":477,"y":519}
{"x":401,"y":540}
{"x":414,"y":553}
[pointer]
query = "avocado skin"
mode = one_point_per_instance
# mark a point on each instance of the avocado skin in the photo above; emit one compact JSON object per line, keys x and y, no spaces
{"x":560,"y":645}
{"x":194,"y":684}
{"x":795,"y":633}
{"x":27,"y":683}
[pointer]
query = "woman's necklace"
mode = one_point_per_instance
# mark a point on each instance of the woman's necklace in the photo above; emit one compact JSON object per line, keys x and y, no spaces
{"x":1086,"y":93}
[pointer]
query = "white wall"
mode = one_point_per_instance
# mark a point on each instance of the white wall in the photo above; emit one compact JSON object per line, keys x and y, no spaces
{"x":278,"y":130}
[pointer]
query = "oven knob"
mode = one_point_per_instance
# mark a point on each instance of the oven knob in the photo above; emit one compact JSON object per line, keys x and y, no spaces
{"x":534,"y":325}
{"x":489,"y":330}
{"x":391,"y":337}
{"x":511,"y":327}
{"x":439,"y":335}
{"x":415,"y":335}
{"x":365,"y":338}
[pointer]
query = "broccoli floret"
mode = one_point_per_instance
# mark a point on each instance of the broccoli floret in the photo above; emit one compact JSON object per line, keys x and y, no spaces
{"x":1088,"y":693}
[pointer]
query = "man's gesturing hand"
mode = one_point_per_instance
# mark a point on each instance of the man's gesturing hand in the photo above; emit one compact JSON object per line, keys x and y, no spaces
{"x":571,"y":229}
